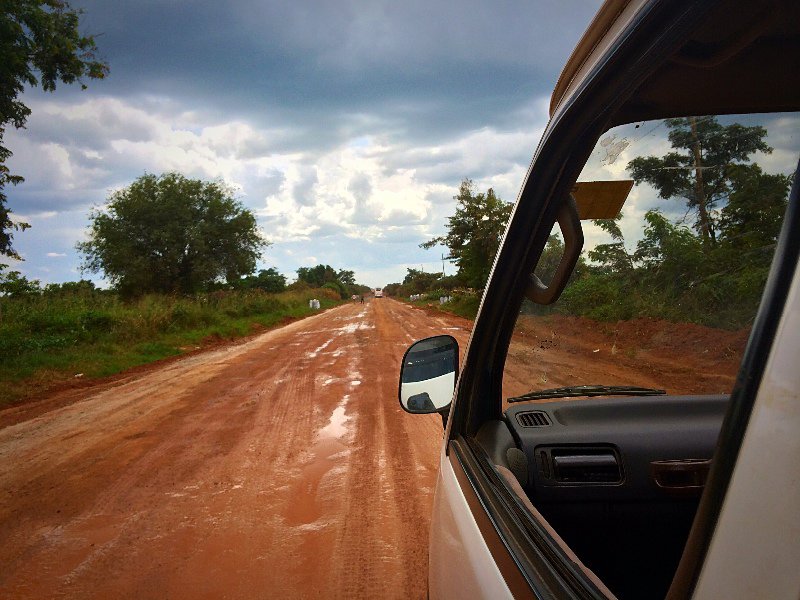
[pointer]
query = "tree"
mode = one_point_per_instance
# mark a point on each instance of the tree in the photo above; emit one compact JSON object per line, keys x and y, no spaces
{"x":753,"y":216}
{"x":269,"y":280}
{"x":393,"y":289}
{"x":419,"y":282}
{"x":670,"y":256}
{"x":698,"y":170}
{"x":321,"y":276}
{"x":612,"y":257}
{"x":318,"y":275}
{"x":84,"y":287}
{"x":39,"y":42}
{"x":170,"y":234}
{"x":474,"y":233}
{"x":14,"y":284}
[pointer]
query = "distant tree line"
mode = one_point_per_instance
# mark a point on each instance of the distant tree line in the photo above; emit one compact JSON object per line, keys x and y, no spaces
{"x":324,"y":276}
{"x":168,"y":234}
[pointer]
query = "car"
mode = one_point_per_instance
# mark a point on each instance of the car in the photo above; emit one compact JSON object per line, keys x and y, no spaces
{"x":641,"y":476}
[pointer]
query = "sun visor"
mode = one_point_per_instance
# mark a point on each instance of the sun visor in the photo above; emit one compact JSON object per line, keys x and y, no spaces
{"x":601,"y":199}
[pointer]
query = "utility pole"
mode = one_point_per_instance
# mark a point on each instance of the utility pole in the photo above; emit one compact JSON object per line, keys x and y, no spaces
{"x":699,"y":192}
{"x":442,"y":265}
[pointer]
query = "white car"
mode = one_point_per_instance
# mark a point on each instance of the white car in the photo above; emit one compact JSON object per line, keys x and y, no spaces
{"x":638,"y":493}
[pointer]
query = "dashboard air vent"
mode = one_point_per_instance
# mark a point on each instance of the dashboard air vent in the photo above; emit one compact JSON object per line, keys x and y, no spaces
{"x":533,"y":419}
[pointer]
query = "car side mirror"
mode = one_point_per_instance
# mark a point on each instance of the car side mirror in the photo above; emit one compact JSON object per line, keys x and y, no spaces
{"x":428,"y":375}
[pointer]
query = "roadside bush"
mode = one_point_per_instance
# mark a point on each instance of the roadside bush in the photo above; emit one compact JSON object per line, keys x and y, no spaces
{"x":94,"y":321}
{"x":337,"y":287}
{"x":463,"y":306}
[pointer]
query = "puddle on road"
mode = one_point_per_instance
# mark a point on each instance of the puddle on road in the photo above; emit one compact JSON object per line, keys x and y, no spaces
{"x":316,"y":351}
{"x":336,"y":428}
{"x":353,"y":327}
{"x":325,"y":455}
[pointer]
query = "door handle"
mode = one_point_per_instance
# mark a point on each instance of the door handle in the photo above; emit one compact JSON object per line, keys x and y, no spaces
{"x":681,"y":478}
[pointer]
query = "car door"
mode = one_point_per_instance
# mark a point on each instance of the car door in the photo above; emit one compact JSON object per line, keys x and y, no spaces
{"x":487,"y":538}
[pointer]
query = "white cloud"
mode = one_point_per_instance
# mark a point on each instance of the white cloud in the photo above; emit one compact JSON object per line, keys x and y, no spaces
{"x":368,"y":189}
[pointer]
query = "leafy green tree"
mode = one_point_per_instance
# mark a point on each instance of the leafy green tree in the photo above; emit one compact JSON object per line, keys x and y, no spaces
{"x":753,"y":216}
{"x":320,"y":276}
{"x":337,"y":287}
{"x":393,"y":289}
{"x":84,"y":287}
{"x":670,"y":256}
{"x":698,"y":169}
{"x":14,"y":284}
{"x":451,"y":282}
{"x":419,"y":282}
{"x":474,"y":233}
{"x":39,"y":43}
{"x":612,"y":257}
{"x":347,"y":278}
{"x":269,"y":280}
{"x":170,"y":234}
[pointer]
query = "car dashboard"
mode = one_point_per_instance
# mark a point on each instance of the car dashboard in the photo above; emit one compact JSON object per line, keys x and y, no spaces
{"x":619,"y":478}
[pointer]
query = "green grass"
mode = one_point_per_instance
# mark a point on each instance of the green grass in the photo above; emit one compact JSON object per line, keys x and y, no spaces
{"x":463,"y":305}
{"x":50,"y":338}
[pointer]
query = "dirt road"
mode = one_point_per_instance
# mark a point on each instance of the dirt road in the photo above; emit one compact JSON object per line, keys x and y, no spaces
{"x":281,"y":467}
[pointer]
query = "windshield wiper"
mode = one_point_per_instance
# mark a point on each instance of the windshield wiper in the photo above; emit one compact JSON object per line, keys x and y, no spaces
{"x":588,"y":390}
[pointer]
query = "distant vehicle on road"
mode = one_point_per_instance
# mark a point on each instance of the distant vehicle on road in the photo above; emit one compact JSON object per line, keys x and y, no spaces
{"x":631,"y":492}
{"x":378,"y":292}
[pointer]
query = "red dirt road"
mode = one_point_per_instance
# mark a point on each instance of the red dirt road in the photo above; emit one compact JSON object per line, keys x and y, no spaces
{"x":282,"y":466}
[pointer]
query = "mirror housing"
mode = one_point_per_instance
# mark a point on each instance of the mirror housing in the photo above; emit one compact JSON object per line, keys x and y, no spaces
{"x":428,"y":375}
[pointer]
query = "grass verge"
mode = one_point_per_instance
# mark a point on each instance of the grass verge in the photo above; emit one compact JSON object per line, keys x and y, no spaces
{"x":49,"y":339}
{"x":462,"y":305}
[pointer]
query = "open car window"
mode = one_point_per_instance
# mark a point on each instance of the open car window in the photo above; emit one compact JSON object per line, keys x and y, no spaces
{"x":665,"y":293}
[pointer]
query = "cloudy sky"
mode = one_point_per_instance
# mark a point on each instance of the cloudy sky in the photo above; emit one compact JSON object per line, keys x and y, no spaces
{"x":345,"y":126}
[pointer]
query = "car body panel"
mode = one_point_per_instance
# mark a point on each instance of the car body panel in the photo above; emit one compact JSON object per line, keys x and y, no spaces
{"x":755,"y":551}
{"x":457,"y":541}
{"x":601,"y":34}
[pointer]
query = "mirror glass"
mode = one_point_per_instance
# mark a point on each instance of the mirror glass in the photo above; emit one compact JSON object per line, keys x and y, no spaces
{"x":428,"y":374}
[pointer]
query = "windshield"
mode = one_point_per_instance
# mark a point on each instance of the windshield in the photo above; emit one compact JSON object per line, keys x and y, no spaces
{"x":664,"y":294}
